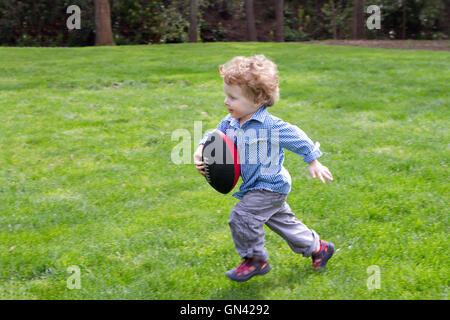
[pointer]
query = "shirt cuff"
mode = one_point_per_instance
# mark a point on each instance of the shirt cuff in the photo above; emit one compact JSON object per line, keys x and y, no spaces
{"x":313,"y":155}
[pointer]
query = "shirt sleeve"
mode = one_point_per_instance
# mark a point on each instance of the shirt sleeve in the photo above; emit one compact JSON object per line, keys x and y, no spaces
{"x":222,"y":126}
{"x":294,"y":139}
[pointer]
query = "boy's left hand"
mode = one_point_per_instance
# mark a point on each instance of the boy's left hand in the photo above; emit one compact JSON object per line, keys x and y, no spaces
{"x":316,"y":169}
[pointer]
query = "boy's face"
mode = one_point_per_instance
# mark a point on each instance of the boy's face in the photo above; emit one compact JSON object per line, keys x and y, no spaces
{"x":239,"y":105}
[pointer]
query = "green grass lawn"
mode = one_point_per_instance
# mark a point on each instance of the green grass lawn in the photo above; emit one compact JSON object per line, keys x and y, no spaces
{"x":86,"y":177}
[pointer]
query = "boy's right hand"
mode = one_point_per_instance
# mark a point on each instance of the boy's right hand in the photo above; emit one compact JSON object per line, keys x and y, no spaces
{"x":199,"y":164}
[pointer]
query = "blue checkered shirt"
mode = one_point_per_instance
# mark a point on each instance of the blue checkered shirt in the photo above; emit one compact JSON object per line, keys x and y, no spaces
{"x":261,"y":142}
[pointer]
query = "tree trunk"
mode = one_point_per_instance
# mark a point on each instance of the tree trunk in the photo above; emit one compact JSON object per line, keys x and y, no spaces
{"x":404,"y":19}
{"x":103,"y":31}
{"x":279,"y":14}
{"x":333,"y":21}
{"x":446,"y":18}
{"x":251,"y":27}
{"x":358,"y":22}
{"x":193,"y":21}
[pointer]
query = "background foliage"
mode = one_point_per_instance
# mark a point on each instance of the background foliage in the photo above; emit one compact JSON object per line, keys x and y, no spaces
{"x":43,"y":23}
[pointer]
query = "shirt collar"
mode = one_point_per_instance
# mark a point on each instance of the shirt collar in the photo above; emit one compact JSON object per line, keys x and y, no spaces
{"x":260,"y":115}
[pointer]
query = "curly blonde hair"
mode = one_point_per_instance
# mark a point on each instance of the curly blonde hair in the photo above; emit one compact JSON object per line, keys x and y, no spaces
{"x":256,"y":74}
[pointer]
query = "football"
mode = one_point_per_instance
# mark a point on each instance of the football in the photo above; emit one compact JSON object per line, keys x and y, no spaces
{"x":220,"y":156}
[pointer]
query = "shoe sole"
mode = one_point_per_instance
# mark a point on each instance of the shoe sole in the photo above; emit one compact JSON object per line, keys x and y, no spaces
{"x":250,"y":275}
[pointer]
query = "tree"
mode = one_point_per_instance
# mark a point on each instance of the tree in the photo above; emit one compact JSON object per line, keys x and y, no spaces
{"x":333,"y":18}
{"x":250,"y":15}
{"x":404,"y":19}
{"x":103,"y":31}
{"x":358,"y":22}
{"x":279,"y":14}
{"x":193,"y":21}
{"x":446,"y":18}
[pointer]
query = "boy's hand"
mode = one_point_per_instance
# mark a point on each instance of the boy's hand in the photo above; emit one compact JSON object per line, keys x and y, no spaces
{"x":316,"y":169}
{"x":199,"y":165}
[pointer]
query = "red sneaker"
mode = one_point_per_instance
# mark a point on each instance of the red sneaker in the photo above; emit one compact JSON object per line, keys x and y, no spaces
{"x":320,"y":259}
{"x":247,"y":269}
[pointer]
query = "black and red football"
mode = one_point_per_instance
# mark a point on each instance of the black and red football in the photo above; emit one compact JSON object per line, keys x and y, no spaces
{"x":220,"y":156}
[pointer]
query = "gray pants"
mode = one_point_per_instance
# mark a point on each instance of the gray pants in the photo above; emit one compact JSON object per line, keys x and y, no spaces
{"x":259,"y":207}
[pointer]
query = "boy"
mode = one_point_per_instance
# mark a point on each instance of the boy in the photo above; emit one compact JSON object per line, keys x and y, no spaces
{"x":251,"y":86}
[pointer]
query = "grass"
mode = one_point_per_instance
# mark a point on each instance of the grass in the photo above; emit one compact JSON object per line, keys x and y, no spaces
{"x":86,"y":176}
